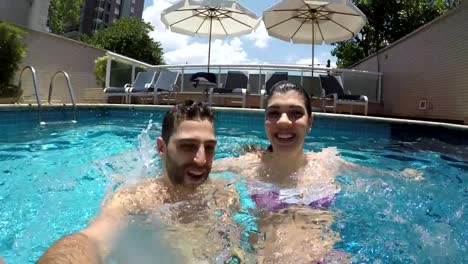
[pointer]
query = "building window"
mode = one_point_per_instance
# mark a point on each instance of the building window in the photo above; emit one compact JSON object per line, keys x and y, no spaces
{"x":117,"y":11}
{"x":99,"y":15}
{"x":106,"y":18}
{"x":133,"y":1}
{"x":132,"y":10}
{"x":117,"y":2}
{"x":108,"y":6}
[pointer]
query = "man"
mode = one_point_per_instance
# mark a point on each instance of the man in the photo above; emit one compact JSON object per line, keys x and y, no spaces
{"x":186,"y":148}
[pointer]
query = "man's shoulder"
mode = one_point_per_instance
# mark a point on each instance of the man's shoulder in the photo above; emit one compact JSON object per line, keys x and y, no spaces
{"x":216,"y":183}
{"x":139,"y":196}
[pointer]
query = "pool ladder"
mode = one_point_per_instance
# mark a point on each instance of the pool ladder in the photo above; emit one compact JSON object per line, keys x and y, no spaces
{"x":49,"y":99}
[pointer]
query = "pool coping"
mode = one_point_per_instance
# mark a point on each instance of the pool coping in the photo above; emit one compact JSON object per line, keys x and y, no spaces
{"x":6,"y":107}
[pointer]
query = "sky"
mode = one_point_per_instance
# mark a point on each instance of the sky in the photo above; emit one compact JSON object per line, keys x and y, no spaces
{"x":258,"y":47}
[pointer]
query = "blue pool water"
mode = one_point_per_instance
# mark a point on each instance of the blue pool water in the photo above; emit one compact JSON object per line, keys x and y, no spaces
{"x":53,"y":178}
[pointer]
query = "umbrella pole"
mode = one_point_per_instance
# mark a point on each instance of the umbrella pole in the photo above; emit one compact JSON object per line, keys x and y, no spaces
{"x":209,"y":44}
{"x":313,"y":40}
{"x":313,"y":60}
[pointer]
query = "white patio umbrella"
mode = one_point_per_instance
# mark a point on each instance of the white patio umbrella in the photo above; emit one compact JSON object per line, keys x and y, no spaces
{"x":210,"y":18}
{"x":313,"y":22}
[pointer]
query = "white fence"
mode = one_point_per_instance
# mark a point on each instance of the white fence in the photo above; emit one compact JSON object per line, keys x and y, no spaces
{"x":354,"y":81}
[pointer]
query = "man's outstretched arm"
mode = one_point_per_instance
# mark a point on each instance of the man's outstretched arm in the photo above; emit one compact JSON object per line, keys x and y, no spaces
{"x":71,"y":249}
{"x":90,"y":244}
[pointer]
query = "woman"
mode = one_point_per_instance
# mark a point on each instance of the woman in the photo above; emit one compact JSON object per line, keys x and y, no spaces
{"x":288,"y":119}
{"x":292,"y":187}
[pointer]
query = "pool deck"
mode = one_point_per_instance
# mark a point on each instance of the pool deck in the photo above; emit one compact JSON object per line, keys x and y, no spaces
{"x":9,"y":107}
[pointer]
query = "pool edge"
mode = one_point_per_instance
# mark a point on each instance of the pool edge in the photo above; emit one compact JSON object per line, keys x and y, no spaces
{"x":6,"y":107}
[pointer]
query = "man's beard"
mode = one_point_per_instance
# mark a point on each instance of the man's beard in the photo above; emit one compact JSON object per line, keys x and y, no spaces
{"x":175,"y":173}
{"x":183,"y":174}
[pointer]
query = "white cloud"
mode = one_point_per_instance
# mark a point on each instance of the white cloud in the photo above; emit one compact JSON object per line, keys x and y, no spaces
{"x":222,"y":52}
{"x":181,"y":49}
{"x":260,"y":36}
{"x":321,"y":61}
{"x":169,"y":40}
{"x":307,"y":61}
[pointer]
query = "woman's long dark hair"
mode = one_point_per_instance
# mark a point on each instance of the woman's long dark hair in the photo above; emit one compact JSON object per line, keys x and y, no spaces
{"x":283,"y":87}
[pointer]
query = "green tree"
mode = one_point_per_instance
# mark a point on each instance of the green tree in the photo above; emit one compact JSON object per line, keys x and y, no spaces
{"x":387,"y":21}
{"x":64,"y":15}
{"x":129,"y":37}
{"x":12,"y":51}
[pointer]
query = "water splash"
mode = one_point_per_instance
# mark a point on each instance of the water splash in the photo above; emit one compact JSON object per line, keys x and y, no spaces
{"x":131,"y":166}
{"x":147,"y":151}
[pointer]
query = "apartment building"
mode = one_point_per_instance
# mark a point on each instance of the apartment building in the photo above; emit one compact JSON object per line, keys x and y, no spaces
{"x":28,"y":13}
{"x":102,"y":13}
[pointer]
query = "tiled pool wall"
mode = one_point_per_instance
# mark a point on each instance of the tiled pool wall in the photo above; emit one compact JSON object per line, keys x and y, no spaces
{"x":18,"y":118}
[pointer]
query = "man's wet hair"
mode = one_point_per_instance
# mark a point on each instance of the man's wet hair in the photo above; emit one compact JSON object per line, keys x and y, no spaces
{"x":189,"y":110}
{"x":283,"y":87}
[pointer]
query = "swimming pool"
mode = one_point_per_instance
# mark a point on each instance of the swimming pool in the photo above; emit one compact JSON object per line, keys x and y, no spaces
{"x":54,"y":177}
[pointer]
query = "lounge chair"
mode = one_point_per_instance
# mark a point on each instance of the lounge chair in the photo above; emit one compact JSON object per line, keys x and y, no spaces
{"x":142,"y":88}
{"x":166,"y":85}
{"x":272,"y":79}
{"x":141,"y":82}
{"x":165,"y":82}
{"x":332,"y":90}
{"x":236,"y":86}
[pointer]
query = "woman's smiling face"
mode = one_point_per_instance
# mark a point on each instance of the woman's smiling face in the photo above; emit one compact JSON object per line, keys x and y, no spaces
{"x":287,"y":122}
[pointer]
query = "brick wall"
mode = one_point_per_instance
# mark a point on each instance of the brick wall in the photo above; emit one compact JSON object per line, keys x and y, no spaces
{"x":49,"y":53}
{"x":430,"y":64}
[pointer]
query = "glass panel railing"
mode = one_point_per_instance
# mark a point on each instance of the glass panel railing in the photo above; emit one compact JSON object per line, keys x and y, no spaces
{"x":355,"y":82}
{"x":121,"y":73}
{"x":363,"y":84}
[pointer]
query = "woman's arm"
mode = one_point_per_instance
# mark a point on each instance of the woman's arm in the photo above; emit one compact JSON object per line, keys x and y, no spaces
{"x":222,"y":165}
{"x":332,"y":155}
{"x":235,"y":165}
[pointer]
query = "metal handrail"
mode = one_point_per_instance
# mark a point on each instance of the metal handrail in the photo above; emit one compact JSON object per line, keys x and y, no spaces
{"x":33,"y":71}
{"x":70,"y":90}
{"x":125,"y":58}
{"x":36,"y":92}
{"x":256,"y":67}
